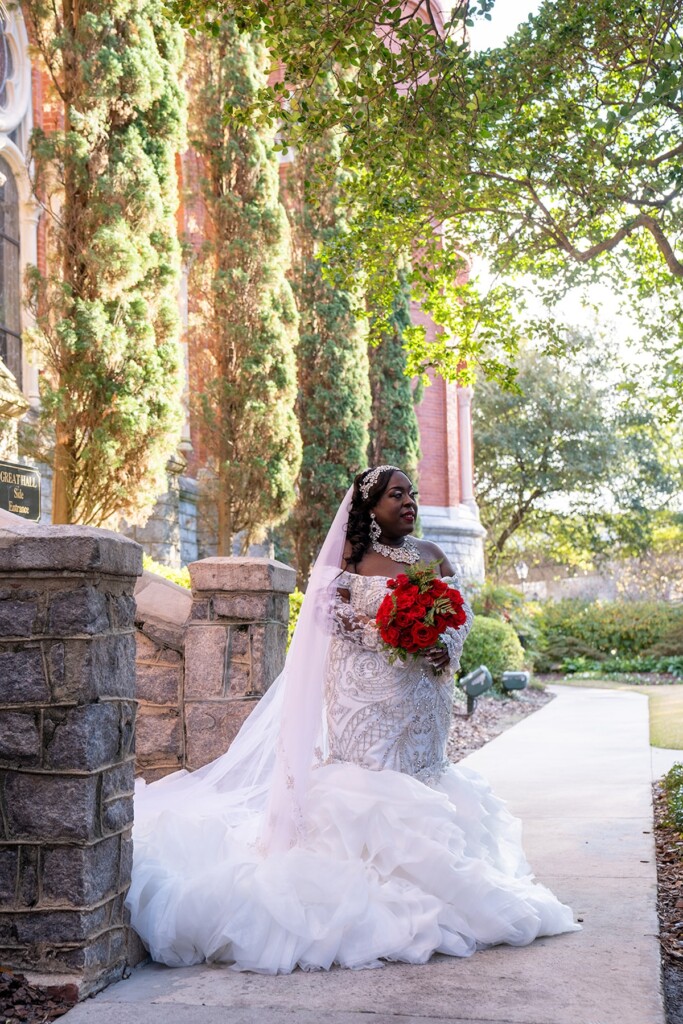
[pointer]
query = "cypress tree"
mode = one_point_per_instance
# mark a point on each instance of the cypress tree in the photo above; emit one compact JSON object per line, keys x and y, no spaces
{"x":334,"y":393}
{"x":244,"y":323}
{"x":394,"y":431}
{"x":106,"y":312}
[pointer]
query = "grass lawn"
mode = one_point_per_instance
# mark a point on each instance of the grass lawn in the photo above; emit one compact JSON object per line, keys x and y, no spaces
{"x":666,"y":707}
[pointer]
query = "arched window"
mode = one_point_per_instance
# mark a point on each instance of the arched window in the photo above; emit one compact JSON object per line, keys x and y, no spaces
{"x":6,"y":65}
{"x":10,"y":273}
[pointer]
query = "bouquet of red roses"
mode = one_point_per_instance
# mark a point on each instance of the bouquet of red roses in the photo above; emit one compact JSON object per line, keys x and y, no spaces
{"x":417,"y":610}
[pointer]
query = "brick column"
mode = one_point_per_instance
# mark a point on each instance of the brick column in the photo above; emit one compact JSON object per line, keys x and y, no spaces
{"x":235,"y":644}
{"x":67,"y":714}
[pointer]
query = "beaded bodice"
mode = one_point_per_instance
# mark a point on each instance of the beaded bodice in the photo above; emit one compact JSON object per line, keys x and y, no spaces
{"x":381,"y":715}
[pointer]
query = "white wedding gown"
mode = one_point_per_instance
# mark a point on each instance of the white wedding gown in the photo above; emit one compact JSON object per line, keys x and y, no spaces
{"x":405,"y":855}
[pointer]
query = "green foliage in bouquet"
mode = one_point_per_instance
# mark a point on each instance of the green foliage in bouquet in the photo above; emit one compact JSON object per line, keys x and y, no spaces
{"x":495,"y":644}
{"x":106,"y":314}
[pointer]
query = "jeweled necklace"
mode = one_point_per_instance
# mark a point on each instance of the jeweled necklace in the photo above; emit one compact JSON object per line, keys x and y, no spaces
{"x":406,"y":552}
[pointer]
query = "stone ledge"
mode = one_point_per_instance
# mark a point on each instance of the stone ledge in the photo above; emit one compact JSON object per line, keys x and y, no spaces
{"x":242,"y":574}
{"x":27,"y":547}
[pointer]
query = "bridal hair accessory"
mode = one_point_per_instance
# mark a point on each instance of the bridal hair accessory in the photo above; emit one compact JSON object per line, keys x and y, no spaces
{"x":373,"y":476}
{"x":375,"y":528}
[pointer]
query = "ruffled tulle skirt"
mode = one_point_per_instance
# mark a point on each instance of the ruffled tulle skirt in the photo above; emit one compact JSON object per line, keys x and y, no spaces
{"x":392,"y":869}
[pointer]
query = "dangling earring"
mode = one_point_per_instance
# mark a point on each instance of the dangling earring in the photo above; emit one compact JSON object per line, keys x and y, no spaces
{"x":375,"y":528}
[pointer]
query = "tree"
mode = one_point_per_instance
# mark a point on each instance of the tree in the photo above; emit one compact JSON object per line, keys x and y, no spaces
{"x":563,"y":472}
{"x":556,"y":156}
{"x":244,"y":326}
{"x":394,"y":431}
{"x":333,"y":404}
{"x":106,"y":324}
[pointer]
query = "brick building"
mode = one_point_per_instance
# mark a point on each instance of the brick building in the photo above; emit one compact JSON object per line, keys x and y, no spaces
{"x":174,"y":532}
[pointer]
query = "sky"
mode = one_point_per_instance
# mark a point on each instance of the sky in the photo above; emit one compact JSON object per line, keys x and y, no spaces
{"x":505,"y":17}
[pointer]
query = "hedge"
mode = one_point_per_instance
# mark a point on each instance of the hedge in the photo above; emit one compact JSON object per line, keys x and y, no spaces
{"x":495,"y":644}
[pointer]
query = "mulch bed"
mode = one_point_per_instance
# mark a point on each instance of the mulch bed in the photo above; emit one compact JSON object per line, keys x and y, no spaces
{"x":669,"y":846}
{"x":22,"y":1003}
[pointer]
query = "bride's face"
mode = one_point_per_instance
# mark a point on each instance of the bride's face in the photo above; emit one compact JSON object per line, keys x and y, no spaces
{"x":396,"y":510}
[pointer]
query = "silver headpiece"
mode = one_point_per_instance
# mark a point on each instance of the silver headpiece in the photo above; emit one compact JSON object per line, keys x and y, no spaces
{"x":371,"y":479}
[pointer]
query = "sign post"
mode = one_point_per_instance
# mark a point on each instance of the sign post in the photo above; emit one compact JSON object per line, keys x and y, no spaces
{"x":20,"y":490}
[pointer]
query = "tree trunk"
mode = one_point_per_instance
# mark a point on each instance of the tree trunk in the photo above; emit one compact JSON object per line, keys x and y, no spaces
{"x":225,"y":525}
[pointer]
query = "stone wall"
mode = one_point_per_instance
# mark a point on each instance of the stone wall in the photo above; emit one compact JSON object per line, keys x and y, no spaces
{"x":204,"y":659}
{"x":235,"y":646}
{"x":67,"y":724}
{"x":162,"y":611}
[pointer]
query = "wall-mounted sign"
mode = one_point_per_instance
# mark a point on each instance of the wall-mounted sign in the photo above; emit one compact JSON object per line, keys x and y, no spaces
{"x":20,"y":490}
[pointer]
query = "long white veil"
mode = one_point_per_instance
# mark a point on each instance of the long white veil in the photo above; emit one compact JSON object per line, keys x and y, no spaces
{"x":261,"y":783}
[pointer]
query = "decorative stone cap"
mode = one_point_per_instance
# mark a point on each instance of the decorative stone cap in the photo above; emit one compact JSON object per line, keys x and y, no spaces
{"x":27,"y":546}
{"x":160,"y":599}
{"x":242,"y":574}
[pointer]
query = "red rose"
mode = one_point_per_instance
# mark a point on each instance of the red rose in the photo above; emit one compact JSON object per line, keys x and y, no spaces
{"x":407,"y":597}
{"x":391,"y":635}
{"x":423,"y":635}
{"x":385,"y":610}
{"x":402,"y":580}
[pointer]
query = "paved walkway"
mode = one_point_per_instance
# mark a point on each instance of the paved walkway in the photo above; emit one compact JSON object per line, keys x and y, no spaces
{"x":578,"y":772}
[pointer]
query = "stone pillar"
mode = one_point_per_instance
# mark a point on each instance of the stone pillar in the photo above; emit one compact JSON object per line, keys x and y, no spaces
{"x":235,"y":644}
{"x":67,"y":714}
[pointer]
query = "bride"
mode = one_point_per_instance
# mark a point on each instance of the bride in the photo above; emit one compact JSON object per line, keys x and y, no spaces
{"x":334,"y":831}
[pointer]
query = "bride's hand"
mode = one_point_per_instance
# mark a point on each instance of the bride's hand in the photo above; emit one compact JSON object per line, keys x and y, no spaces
{"x":437,"y":657}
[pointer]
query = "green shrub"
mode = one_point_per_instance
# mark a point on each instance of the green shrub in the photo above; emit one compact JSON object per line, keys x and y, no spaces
{"x":492,"y":643}
{"x":179,"y":576}
{"x":573,"y":628}
{"x":673,"y":787}
{"x":295,"y":600}
{"x":670,"y":643}
{"x":671,"y":665}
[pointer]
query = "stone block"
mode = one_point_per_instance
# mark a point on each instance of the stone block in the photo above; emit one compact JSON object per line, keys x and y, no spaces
{"x":238,"y":679}
{"x":49,"y":808}
{"x":76,"y":876}
{"x":268,"y":650}
{"x":165,"y":634}
{"x":74,"y":612}
{"x":27,"y":892}
{"x":117,"y":814}
{"x":25,"y":546}
{"x":17,"y":616}
{"x":159,"y":737}
{"x":146,"y":649}
{"x":210,"y":728}
{"x":83,"y":738}
{"x":119,"y":781}
{"x":158,"y":684}
{"x":20,"y":738}
{"x":23,"y":676}
{"x":83,"y":670}
{"x":251,"y":607}
{"x":205,"y":648}
{"x":53,"y":926}
{"x":9,"y":872}
{"x":125,"y":860}
{"x":242,"y":574}
{"x":123,"y":611}
{"x":239,"y":641}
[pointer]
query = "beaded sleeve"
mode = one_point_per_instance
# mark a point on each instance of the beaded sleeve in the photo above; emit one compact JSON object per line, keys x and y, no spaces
{"x":454,"y":639}
{"x":358,"y":629}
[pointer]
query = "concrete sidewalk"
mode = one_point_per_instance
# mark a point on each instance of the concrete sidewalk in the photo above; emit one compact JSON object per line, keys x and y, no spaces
{"x":578,"y":773}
